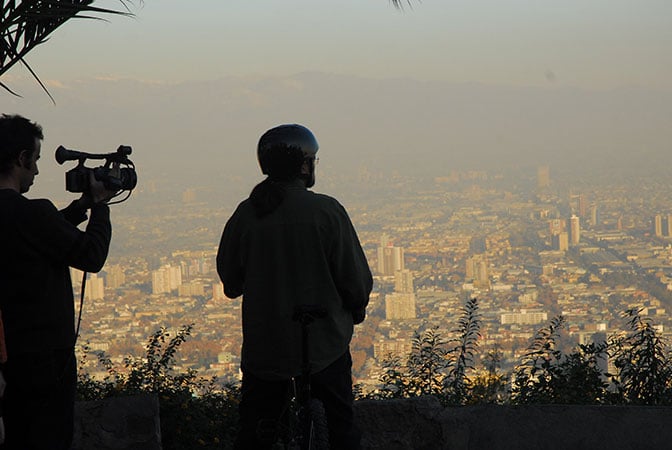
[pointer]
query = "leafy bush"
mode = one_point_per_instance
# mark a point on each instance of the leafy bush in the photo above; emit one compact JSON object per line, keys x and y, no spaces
{"x":197,"y":414}
{"x":489,"y":386}
{"x":549,"y":376}
{"x":546,"y":375}
{"x":431,"y":369}
{"x":643,"y":361}
{"x":193,"y":411}
{"x":423,"y":372}
{"x":457,"y":384}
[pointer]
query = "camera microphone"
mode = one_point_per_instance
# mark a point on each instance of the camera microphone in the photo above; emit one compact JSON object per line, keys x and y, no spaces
{"x":120,"y":156}
{"x":63,"y":155}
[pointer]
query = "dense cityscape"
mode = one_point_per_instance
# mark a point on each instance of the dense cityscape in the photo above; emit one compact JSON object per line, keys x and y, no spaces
{"x":529,"y":245}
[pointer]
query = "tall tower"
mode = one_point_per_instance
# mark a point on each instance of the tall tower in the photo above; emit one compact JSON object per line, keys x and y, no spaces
{"x":556,"y":226}
{"x":166,"y":279}
{"x":403,"y":281}
{"x":477,"y":270}
{"x":583,"y":205}
{"x":218,"y":291}
{"x":658,"y":225}
{"x":160,"y":284}
{"x":594,"y":215}
{"x":400,"y":305}
{"x":574,"y":230}
{"x":390,"y":258}
{"x":561,"y":241}
{"x":543,"y":177}
{"x":189,"y":196}
{"x":95,"y":288}
{"x":115,"y":277}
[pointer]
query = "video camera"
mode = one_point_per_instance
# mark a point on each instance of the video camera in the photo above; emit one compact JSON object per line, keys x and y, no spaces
{"x":117,"y":174}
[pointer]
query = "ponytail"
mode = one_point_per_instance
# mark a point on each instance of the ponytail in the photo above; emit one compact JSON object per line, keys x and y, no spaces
{"x":267,"y":196}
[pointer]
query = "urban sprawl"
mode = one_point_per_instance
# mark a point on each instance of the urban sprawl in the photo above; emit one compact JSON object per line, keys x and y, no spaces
{"x":530,"y":246}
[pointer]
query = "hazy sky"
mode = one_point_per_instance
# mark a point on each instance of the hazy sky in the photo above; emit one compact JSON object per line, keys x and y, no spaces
{"x":520,"y":82}
{"x":591,"y":44}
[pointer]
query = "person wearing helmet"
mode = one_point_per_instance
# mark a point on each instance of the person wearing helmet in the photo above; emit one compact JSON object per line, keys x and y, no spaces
{"x":286,"y":246}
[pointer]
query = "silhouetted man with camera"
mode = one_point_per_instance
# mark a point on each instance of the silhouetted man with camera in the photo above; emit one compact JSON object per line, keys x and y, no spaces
{"x":284,"y":247}
{"x":39,"y":245}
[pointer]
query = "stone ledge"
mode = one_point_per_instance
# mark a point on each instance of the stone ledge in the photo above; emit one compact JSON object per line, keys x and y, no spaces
{"x":120,"y":423}
{"x":132,"y":423}
{"x":423,"y":424}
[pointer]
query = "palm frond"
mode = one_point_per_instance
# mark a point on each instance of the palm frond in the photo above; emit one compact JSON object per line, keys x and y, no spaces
{"x":25,"y":24}
{"x":400,"y":4}
{"x":5,"y":87}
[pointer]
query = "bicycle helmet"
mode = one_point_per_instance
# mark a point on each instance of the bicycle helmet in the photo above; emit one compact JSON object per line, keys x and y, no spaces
{"x":282,"y":150}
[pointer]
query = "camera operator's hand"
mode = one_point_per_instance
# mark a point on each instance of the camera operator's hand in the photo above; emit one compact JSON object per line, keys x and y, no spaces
{"x":97,"y":193}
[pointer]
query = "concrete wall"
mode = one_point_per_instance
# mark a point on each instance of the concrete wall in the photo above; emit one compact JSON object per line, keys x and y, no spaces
{"x":132,"y":423}
{"x":123,"y":423}
{"x":422,"y":424}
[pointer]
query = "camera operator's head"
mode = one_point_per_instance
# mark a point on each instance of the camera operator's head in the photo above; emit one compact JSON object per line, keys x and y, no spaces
{"x":20,"y":142}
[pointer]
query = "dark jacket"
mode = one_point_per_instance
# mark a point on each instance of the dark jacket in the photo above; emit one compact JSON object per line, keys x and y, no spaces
{"x":39,"y":245}
{"x":306,"y":252}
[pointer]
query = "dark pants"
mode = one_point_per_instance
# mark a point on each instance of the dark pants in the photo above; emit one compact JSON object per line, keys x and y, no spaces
{"x":264,"y":400}
{"x":39,"y":401}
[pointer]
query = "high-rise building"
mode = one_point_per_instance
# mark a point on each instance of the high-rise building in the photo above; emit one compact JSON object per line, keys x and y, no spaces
{"x":400,"y":305}
{"x":115,"y":277}
{"x":524,"y":317}
{"x":560,"y":241}
{"x":543,"y":177}
{"x":218,"y":291}
{"x":578,"y":203}
{"x":384,"y":348}
{"x":658,"y":225}
{"x":95,"y":287}
{"x":668,"y":228}
{"x":583,"y":205}
{"x":159,"y":283}
{"x":574,"y":230}
{"x":556,"y":226}
{"x":166,"y":279}
{"x":477,"y":270}
{"x":189,"y":195}
{"x":403,"y":281}
{"x":594,"y":215}
{"x":390,"y":258}
{"x":191,"y":289}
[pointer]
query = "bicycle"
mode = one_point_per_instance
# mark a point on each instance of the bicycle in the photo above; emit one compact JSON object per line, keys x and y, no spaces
{"x":303,"y":423}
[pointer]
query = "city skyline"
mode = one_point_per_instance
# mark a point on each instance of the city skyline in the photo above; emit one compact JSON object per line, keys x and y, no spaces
{"x":481,"y":235}
{"x":462,"y":131}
